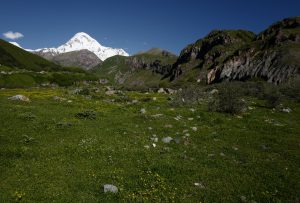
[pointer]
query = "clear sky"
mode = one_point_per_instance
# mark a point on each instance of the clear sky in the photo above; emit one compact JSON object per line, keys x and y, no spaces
{"x":136,"y":25}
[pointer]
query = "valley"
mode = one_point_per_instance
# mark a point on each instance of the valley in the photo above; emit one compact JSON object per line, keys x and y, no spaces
{"x":219,"y":122}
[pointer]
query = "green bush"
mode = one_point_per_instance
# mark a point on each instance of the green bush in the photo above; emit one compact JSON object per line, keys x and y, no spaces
{"x":291,"y":89}
{"x":189,"y":95}
{"x":91,"y":115}
{"x":228,"y":99}
{"x":84,"y":91}
{"x":272,"y":98}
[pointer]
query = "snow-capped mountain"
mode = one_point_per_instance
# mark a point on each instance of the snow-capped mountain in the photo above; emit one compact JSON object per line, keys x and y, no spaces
{"x":82,"y":41}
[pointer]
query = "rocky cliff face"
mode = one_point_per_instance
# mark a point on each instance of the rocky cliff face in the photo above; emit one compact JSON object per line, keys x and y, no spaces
{"x":155,"y":66}
{"x":212,"y":49}
{"x":273,"y":55}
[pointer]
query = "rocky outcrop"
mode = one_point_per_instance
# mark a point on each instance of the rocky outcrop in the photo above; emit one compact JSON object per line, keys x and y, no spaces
{"x":246,"y":66}
{"x":155,"y":66}
{"x":210,"y":50}
{"x":273,"y":55}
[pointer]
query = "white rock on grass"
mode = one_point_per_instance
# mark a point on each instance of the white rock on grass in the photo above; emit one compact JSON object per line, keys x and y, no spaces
{"x":222,"y":154}
{"x":200,"y":185}
{"x":157,"y":115}
{"x":154,"y":139}
{"x":161,"y":90}
{"x":134,"y":101}
{"x":192,"y":110}
{"x":243,"y":199}
{"x":287,"y":110}
{"x":143,"y":111}
{"x":214,"y":91}
{"x":177,"y":118}
{"x":110,"y":92}
{"x":19,"y":97}
{"x":194,"y":128}
{"x":110,"y":188}
{"x":167,"y":140}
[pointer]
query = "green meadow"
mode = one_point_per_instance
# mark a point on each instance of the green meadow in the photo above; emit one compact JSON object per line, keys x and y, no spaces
{"x":63,"y":147}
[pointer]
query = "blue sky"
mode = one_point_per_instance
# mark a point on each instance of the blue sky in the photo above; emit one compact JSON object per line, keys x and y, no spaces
{"x":136,"y":25}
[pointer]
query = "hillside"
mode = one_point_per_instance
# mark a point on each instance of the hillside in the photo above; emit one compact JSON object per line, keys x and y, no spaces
{"x":143,"y":70}
{"x":82,"y":58}
{"x":272,"y":55}
{"x":14,"y":56}
{"x":19,"y":68}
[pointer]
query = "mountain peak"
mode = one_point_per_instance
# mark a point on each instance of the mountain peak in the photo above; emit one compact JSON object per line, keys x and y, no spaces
{"x":82,"y":36}
{"x":79,"y":34}
{"x":82,"y":40}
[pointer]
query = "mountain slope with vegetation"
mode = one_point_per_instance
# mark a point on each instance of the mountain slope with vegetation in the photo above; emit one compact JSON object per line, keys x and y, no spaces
{"x":143,"y":70}
{"x":272,"y":55}
{"x":223,"y":55}
{"x":14,"y":56}
{"x":19,"y":68}
{"x":83,"y":58}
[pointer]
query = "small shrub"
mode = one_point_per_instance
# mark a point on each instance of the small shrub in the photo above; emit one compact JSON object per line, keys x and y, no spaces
{"x":272,"y":98}
{"x":27,"y":116}
{"x":146,"y":99}
{"x":64,"y":125}
{"x":84,"y":91}
{"x":122,"y":99}
{"x":27,"y":139}
{"x":189,"y":95}
{"x":291,"y":89}
{"x":91,"y":115}
{"x":228,"y":100}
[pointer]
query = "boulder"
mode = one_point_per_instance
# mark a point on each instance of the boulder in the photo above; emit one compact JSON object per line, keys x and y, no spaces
{"x":110,"y":188}
{"x":110,"y":92}
{"x":167,"y":140}
{"x":170,"y":91}
{"x":143,"y":111}
{"x":286,"y":110}
{"x":103,"y":81}
{"x":19,"y":97}
{"x":161,"y":90}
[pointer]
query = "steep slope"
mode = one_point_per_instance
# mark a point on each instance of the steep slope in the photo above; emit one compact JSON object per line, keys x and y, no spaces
{"x":145,"y":69}
{"x":83,"y":58}
{"x":13,"y":56}
{"x":19,"y":68}
{"x":273,"y":55}
{"x":81,"y":41}
{"x":195,"y":60}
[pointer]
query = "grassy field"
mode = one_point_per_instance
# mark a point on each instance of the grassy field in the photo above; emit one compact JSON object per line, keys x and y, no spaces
{"x":65,"y":150}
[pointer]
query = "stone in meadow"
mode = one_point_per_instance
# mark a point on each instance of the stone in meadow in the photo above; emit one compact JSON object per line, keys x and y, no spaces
{"x":19,"y":97}
{"x":110,"y":188}
{"x":167,"y":139}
